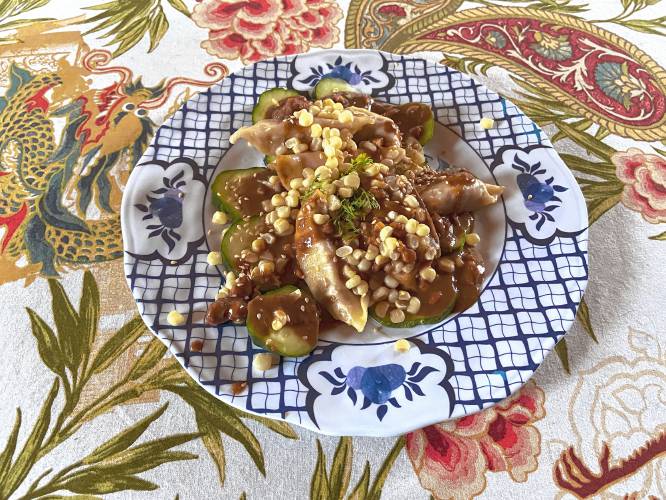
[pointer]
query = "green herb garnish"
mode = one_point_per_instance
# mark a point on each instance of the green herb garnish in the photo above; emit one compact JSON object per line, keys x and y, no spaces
{"x":345,"y":220}
{"x":310,"y":190}
{"x":360,"y":163}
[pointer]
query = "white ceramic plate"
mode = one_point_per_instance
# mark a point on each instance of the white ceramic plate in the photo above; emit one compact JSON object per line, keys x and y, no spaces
{"x":534,"y":243}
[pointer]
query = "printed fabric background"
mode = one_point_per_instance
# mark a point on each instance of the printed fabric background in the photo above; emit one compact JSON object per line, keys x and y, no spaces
{"x":91,"y":407}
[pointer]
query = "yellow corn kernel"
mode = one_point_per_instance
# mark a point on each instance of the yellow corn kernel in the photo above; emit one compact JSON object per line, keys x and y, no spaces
{"x":262,"y":361}
{"x":220,"y":218}
{"x":315,"y":130}
{"x":214,"y":258}
{"x":423,"y":230}
{"x":174,"y":318}
{"x":402,"y":345}
{"x":305,"y":118}
{"x":487,"y":123}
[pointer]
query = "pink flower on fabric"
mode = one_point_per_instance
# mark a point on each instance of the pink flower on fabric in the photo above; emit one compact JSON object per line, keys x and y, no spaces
{"x":451,"y":459}
{"x":644,"y":176}
{"x":260,"y":29}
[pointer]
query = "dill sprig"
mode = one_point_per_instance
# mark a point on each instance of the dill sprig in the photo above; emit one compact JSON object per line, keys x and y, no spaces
{"x":345,"y":220}
{"x":317,"y":183}
{"x":360,"y":163}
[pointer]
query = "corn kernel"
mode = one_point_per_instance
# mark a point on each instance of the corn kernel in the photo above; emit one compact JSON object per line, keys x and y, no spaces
{"x":381,"y":309}
{"x":380,"y":260}
{"x":414,"y":305}
{"x":331,"y":162}
{"x":301,"y":148}
{"x":220,"y":218}
{"x":343,"y":251}
{"x":321,"y":218}
{"x":336,"y":142}
{"x":338,"y":106}
{"x":283,"y":227}
{"x":390,"y":281}
{"x":292,"y":200}
{"x":334,"y":132}
{"x":362,"y":288}
{"x":385,"y":232}
{"x":411,"y":226}
{"x":308,"y":172}
{"x":305,"y":118}
{"x":404,"y":295}
{"x":296,"y":182}
{"x":487,"y":123}
{"x":214,"y":258}
{"x":348,"y":271}
{"x":472,"y":239}
{"x":372,"y":252}
{"x":352,"y":180}
{"x":446,"y":265}
{"x":428,"y":274}
{"x":372,"y":170}
{"x":402,"y":345}
{"x":380,"y":293}
{"x":411,"y":201}
{"x":329,"y":150}
{"x":346,"y":117}
{"x":258,"y":245}
{"x":266,"y":267}
{"x":397,"y":316}
{"x":353,"y":282}
{"x":174,"y":318}
{"x":345,"y":192}
{"x":291,"y":142}
{"x":323,"y":173}
{"x":262,"y":361}
{"x":229,"y":278}
{"x":277,"y":200}
{"x":364,"y":265}
{"x":315,"y":130}
{"x":422,"y":230}
{"x":333,"y":202}
{"x":402,"y":219}
{"x":283,"y":212}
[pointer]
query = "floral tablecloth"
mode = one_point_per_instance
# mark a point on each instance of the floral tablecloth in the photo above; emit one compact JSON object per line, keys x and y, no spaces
{"x":91,"y":407}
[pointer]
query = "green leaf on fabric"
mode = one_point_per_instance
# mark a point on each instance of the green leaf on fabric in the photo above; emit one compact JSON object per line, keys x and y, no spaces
{"x":124,"y":440}
{"x":149,"y":358}
{"x":222,"y":417}
{"x":93,"y":482}
{"x":88,"y":312}
{"x":279,"y":426}
{"x":26,"y":458}
{"x":118,"y":343}
{"x":8,"y":453}
{"x":586,"y":141}
{"x":67,"y":325}
{"x":180,"y":7}
{"x":659,"y":237}
{"x":125,"y":24}
{"x":47,"y":344}
{"x":341,"y":469}
{"x":213,"y":443}
{"x":562,"y":352}
{"x":584,"y":317}
{"x":158,"y":28}
{"x":378,"y":484}
{"x":319,"y":486}
{"x":360,"y":492}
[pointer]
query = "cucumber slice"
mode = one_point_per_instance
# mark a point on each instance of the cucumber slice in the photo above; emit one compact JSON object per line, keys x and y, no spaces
{"x":428,"y":130}
{"x":299,"y":336}
{"x":240,"y":236}
{"x":429,"y":313}
{"x":328,"y":86}
{"x":238,"y":192}
{"x":268,"y":99}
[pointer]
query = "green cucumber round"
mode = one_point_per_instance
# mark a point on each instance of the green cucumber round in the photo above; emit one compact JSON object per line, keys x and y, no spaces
{"x":268,"y":99}
{"x":227,"y":199}
{"x":428,"y":130}
{"x":299,"y":336}
{"x":328,"y":86}
{"x":240,"y":236}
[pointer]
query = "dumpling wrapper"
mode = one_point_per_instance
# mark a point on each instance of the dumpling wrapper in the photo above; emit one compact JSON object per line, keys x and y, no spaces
{"x":315,"y":253}
{"x":268,"y":135}
{"x":451,"y":193}
{"x":289,"y":167}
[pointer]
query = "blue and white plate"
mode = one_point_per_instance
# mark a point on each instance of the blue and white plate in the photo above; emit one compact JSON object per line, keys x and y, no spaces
{"x":534,"y":242}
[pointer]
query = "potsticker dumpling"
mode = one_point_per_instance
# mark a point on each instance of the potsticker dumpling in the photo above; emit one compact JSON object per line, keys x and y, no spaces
{"x":315,"y":253}
{"x":447,"y":193}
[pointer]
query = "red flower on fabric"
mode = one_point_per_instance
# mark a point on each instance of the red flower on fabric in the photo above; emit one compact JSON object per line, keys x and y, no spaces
{"x":260,"y":29}
{"x":392,"y":10}
{"x":451,"y":459}
{"x":644,"y":176}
